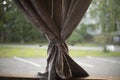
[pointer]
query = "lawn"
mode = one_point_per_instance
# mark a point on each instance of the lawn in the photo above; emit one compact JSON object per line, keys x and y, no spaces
{"x":38,"y":52}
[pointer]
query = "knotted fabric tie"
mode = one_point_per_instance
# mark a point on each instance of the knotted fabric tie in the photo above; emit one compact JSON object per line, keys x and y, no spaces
{"x":56,"y":42}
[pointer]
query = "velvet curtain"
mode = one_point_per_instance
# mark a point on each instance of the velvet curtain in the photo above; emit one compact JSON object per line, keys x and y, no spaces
{"x":56,"y":19}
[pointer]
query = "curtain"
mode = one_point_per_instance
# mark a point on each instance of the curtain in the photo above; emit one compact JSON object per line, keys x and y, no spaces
{"x":56,"y":19}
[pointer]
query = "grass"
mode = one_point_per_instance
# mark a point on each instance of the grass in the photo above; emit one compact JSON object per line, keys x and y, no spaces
{"x":38,"y":52}
{"x":22,"y":52}
{"x":83,"y":53}
{"x":87,"y":44}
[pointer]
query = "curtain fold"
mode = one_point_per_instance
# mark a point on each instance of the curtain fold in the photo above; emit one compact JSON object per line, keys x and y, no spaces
{"x":56,"y":19}
{"x":75,"y":13}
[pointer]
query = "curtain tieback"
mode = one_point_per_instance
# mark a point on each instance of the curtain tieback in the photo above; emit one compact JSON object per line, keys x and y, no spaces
{"x":57,"y":42}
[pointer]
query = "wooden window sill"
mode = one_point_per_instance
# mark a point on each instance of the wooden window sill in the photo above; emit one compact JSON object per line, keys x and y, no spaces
{"x":34,"y":77}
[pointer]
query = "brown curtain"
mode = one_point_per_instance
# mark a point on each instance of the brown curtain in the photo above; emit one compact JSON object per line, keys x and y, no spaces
{"x":56,"y":19}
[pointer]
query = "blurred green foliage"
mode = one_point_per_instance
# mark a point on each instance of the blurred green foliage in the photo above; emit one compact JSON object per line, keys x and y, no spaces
{"x":14,"y":27}
{"x":108,"y":12}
